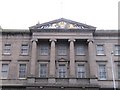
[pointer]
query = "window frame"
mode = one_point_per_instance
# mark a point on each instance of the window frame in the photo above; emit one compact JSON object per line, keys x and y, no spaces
{"x":44,"y":49}
{"x":7,"y":71}
{"x":7,"y":51}
{"x":26,"y":52}
{"x":118,"y":72}
{"x":25,"y":74}
{"x":103,"y":50}
{"x":117,"y":50}
{"x":79,"y":47}
{"x":100,"y":72}
{"x":45,"y":75}
{"x":81,"y":74}
{"x":64,"y":72}
{"x":62,"y":50}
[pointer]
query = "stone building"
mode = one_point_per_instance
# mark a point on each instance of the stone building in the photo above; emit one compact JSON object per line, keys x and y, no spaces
{"x":59,"y":55}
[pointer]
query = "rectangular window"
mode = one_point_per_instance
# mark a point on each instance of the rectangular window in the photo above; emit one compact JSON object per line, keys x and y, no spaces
{"x":62,"y":71}
{"x":117,"y":49}
{"x":80,"y":50}
{"x":22,"y":71}
{"x":44,"y":50}
{"x":102,"y":72}
{"x":80,"y":71}
{"x":62,"y":50}
{"x":118,"y":71}
{"x":7,"y":49}
{"x":24,"y":49}
{"x":100,"y":50}
{"x":43,"y":70}
{"x":4,"y":71}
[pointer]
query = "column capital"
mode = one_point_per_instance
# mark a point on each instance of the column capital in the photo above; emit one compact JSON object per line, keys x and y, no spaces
{"x":52,"y":40}
{"x":34,"y":40}
{"x":71,"y":40}
{"x":90,"y":40}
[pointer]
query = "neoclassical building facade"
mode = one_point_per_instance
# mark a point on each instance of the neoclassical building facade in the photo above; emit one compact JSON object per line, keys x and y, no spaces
{"x":59,"y":55}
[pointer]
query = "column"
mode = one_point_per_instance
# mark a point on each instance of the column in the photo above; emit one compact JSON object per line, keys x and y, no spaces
{"x":72,"y":58}
{"x":91,"y":57}
{"x":33,"y":57}
{"x":52,"y":58}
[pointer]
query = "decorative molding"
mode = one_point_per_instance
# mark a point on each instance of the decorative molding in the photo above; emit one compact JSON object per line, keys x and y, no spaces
{"x":36,"y":40}
{"x":71,"y":40}
{"x":62,"y":23}
{"x":53,"y":39}
{"x":90,"y":40}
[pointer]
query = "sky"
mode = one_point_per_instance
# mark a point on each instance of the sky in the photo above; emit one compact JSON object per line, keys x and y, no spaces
{"x":21,"y":14}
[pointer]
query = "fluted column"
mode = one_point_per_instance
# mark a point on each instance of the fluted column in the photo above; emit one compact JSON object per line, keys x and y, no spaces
{"x":33,"y":57}
{"x":91,"y":60}
{"x":52,"y":58}
{"x":72,"y":58}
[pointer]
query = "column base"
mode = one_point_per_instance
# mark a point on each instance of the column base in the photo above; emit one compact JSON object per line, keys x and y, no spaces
{"x":51,"y":80}
{"x":31,"y":79}
{"x":72,"y":81}
{"x":94,"y":81}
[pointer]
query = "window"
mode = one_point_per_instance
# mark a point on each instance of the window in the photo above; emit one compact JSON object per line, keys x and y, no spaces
{"x":100,"y":50}
{"x":7,"y":49}
{"x":62,"y":71}
{"x":24,"y":49}
{"x":22,"y":70}
{"x":62,"y":50}
{"x":4,"y":71}
{"x":44,"y":50}
{"x":43,"y":70}
{"x":118,"y":71}
{"x":117,"y":49}
{"x":80,"y":50}
{"x":102,"y":72}
{"x":80,"y":71}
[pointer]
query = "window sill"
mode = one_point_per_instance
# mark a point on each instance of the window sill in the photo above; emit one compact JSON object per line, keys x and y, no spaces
{"x":6,"y":54}
{"x":81,"y":55}
{"x":102,"y":79}
{"x":3,"y":78}
{"x":117,"y":55}
{"x":100,"y":55}
{"x":41,"y":77}
{"x":62,"y":55}
{"x":24,"y":54}
{"x":62,"y":78}
{"x":22,"y":78}
{"x":44,"y":55}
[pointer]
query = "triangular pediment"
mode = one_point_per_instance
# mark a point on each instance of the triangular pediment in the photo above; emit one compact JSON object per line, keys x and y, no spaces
{"x":62,"y":23}
{"x":62,"y":60}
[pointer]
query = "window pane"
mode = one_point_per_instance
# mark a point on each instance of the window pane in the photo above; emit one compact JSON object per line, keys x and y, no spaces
{"x":24,"y":49}
{"x":22,"y":70}
{"x":80,"y":50}
{"x":4,"y":70}
{"x":102,"y":72}
{"x":100,"y":50}
{"x":7,"y":48}
{"x":62,"y":50}
{"x":118,"y":71}
{"x":80,"y":71}
{"x":62,"y":70}
{"x":117,"y":49}
{"x":44,"y":50}
{"x":43,"y":70}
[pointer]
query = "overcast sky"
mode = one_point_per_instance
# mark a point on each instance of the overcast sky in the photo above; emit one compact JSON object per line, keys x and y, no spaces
{"x":21,"y":14}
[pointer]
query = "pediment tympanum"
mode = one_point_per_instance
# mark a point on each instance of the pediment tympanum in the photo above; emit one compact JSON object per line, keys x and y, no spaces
{"x":62,"y":24}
